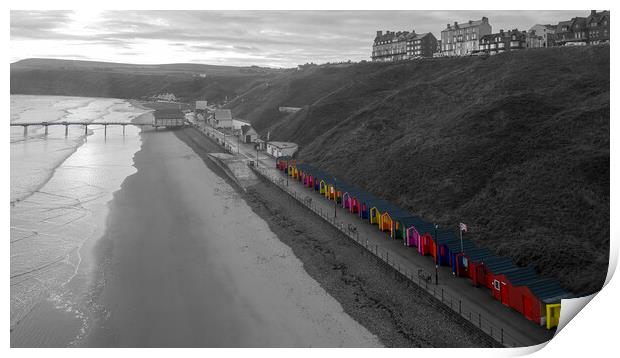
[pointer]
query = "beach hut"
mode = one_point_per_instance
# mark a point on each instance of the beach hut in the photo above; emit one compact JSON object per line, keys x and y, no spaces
{"x":375,"y":208}
{"x":471,"y":265}
{"x":492,"y":266}
{"x":541,"y":300}
{"x":401,"y":228}
{"x":282,"y":163}
{"x":502,"y":282}
{"x":389,"y":214}
{"x":390,"y":220}
{"x":454,"y":252}
{"x":414,"y":229}
{"x":443,"y":241}
{"x":537,"y":299}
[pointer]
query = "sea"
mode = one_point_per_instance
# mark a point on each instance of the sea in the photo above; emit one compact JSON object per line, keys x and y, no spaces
{"x":60,"y":187}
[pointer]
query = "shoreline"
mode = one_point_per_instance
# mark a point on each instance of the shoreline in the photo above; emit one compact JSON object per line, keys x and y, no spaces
{"x":156,"y":279}
{"x":61,"y":314}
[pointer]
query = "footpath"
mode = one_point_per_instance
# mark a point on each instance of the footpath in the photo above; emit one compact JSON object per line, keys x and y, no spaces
{"x":476,"y":305}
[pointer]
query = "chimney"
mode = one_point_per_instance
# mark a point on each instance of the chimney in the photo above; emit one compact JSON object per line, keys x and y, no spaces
{"x":501,"y":32}
{"x":379,"y":33}
{"x":448,"y":25}
{"x":456,"y":24}
{"x":592,"y":12}
{"x":470,"y":22}
{"x":485,"y":19}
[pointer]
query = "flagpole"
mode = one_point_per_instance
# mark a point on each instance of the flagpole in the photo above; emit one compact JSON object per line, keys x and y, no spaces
{"x":461,"y":232}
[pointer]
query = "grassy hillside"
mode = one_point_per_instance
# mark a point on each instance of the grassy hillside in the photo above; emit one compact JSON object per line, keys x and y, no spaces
{"x":514,"y":145}
{"x":100,"y":79}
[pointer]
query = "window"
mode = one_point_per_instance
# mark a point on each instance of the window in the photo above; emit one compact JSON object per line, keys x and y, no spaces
{"x":496,"y":284}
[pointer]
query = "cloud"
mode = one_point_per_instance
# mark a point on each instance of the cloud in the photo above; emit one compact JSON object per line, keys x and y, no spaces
{"x":280,"y":38}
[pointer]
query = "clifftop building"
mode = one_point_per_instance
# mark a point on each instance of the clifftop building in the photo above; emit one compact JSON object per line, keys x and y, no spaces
{"x":463,"y":39}
{"x":541,"y":36}
{"x":503,"y":41}
{"x":402,"y":45}
{"x":590,"y":30}
{"x":391,"y":46}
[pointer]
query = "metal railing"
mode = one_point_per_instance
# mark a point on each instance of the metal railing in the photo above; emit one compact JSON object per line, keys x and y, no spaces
{"x":420,"y":279}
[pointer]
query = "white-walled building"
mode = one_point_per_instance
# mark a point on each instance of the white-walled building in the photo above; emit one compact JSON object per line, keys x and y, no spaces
{"x":222,"y":118}
{"x":280,"y":149}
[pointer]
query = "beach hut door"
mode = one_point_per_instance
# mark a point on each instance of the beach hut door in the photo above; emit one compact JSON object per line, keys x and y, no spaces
{"x":527,"y":307}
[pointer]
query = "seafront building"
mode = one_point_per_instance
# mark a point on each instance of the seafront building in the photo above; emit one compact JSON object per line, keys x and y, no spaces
{"x":281,"y":149}
{"x":222,"y":118}
{"x":402,"y":45}
{"x":421,"y":45}
{"x":390,"y":47}
{"x":464,"y":39}
{"x":475,"y":36}
{"x":503,"y":41}
{"x":168,"y":117}
{"x":581,"y":31}
{"x":541,"y":36}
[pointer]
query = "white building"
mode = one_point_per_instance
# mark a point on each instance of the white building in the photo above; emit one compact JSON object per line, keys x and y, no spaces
{"x":201,"y":105}
{"x":280,"y":149}
{"x":247,"y":134}
{"x":222,"y":118}
{"x":237,"y":124}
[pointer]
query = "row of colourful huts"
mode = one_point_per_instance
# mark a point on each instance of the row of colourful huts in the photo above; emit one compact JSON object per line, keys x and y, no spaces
{"x":521,"y":288}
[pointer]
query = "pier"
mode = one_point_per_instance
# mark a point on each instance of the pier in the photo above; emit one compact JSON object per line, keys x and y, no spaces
{"x":86,"y":124}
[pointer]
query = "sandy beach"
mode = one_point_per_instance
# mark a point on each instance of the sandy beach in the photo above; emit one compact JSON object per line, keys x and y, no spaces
{"x":185,"y":262}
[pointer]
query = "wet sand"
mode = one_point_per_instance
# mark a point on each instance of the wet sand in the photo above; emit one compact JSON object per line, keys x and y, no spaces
{"x":186,"y":263}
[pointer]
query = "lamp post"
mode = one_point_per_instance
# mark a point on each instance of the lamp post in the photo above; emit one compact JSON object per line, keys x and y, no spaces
{"x":256,"y":156}
{"x":436,"y":266}
{"x":335,"y":197}
{"x":237,"y":144}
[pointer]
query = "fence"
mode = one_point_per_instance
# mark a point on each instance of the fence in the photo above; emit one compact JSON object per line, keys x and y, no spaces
{"x":420,"y":279}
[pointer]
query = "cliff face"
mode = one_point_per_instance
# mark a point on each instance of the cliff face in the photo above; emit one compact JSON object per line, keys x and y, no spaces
{"x":514,"y":145}
{"x":99,"y":79}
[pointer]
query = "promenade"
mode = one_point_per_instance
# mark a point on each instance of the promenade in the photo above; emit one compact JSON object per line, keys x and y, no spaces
{"x":476,"y":305}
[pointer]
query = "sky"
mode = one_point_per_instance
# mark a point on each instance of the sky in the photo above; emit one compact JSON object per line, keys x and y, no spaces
{"x":235,"y":38}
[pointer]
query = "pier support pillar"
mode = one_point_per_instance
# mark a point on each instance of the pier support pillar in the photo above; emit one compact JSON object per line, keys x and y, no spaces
{"x":86,"y":129}
{"x":105,"y":131}
{"x":66,"y":130}
{"x":25,"y":131}
{"x":46,"y":130}
{"x":124,"y":129}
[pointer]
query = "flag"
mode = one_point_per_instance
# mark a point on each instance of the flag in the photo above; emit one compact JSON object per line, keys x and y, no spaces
{"x":463,"y":227}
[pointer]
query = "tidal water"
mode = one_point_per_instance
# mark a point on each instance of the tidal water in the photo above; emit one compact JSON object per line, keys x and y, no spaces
{"x":59,"y":190}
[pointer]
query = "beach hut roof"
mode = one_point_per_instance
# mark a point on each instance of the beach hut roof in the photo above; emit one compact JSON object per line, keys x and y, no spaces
{"x":521,"y":275}
{"x":445,"y":237}
{"x":498,"y":264}
{"x":455,"y":246}
{"x":418,"y":223}
{"x":548,"y":290}
{"x":477,"y":254}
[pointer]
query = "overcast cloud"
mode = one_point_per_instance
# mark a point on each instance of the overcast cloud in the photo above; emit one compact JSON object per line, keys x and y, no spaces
{"x":264,"y":38}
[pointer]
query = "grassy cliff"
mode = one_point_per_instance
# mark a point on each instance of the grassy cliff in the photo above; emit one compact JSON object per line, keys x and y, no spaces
{"x":100,"y":79}
{"x":514,"y":145}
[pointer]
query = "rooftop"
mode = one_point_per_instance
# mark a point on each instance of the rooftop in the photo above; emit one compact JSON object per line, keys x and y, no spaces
{"x":223,"y":114}
{"x":283,"y":145}
{"x":168,"y":114}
